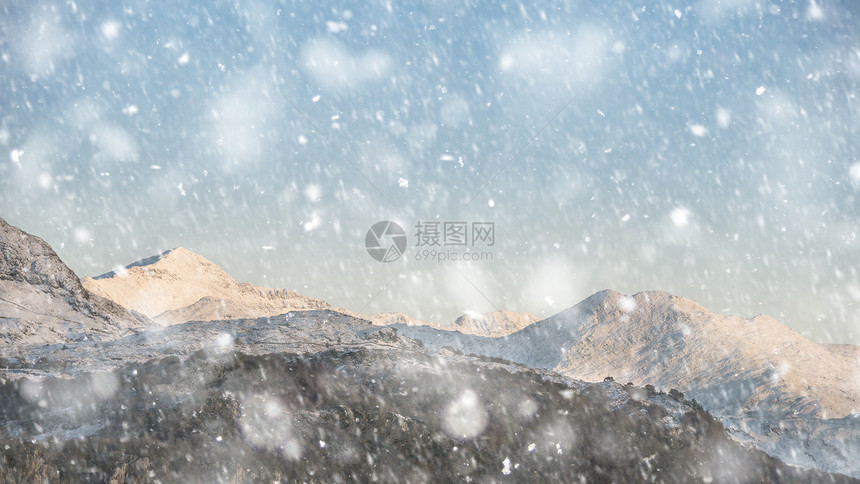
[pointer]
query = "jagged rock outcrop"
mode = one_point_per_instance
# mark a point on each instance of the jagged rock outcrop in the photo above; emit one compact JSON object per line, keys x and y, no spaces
{"x":42,"y":301}
{"x":27,"y":259}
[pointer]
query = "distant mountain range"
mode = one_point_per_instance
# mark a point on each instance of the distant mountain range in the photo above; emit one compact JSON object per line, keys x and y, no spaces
{"x":178,"y":286}
{"x":768,"y":385}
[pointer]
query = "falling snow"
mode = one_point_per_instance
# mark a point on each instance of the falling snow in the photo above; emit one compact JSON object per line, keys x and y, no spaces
{"x":709,"y":149}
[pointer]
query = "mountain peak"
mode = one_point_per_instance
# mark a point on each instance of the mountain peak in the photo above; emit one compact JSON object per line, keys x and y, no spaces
{"x":182,"y":254}
{"x":175,"y":260}
{"x":26,"y":258}
{"x":609,"y":301}
{"x":179,"y":285}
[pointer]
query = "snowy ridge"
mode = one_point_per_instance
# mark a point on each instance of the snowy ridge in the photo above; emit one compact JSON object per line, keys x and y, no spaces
{"x":754,"y":370}
{"x":147,"y":261}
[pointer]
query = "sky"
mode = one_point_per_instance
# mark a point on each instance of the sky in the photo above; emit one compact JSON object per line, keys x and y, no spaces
{"x":707,"y":149}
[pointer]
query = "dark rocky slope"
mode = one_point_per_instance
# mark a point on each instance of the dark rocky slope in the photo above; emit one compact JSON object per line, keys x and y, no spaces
{"x":322,"y":397}
{"x":342,"y":415}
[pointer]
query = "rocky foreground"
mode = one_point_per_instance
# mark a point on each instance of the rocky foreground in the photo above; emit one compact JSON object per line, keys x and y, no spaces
{"x":317,"y":396}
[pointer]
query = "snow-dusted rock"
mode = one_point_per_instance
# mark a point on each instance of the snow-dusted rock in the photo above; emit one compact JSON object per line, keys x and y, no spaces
{"x":754,"y":369}
{"x":42,"y":301}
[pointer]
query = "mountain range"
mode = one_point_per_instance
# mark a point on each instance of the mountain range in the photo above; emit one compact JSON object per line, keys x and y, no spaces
{"x":178,"y":286}
{"x":768,"y":384}
{"x":217,"y":359}
{"x":733,"y":363}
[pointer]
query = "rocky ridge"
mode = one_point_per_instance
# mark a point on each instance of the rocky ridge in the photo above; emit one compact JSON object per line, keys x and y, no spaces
{"x":318,"y":396}
{"x":42,"y":301}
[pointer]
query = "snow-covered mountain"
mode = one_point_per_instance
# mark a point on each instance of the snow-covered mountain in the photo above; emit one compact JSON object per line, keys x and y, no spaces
{"x":42,"y":301}
{"x":179,"y":285}
{"x":655,"y":338}
{"x":768,"y":383}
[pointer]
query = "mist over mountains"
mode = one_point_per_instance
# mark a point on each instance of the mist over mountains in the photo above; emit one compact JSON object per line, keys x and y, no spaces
{"x":273,"y":385}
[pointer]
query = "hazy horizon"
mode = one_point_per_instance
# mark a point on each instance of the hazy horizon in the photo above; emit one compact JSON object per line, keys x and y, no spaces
{"x":709,"y":152}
